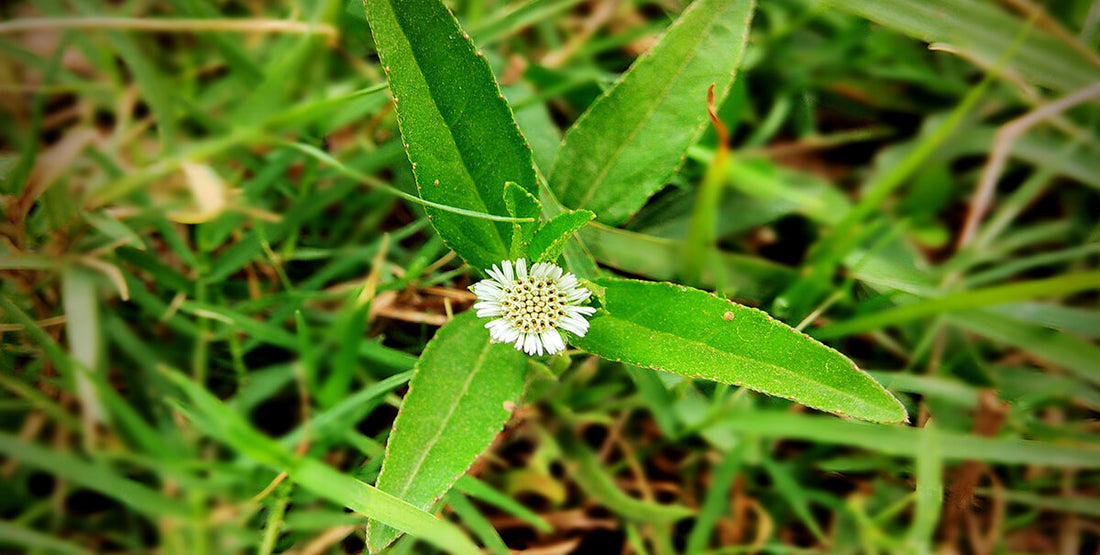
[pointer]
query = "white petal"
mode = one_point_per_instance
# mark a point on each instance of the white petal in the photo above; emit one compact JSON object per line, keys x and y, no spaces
{"x":575,"y":324}
{"x":498,"y":329}
{"x":578,"y":295}
{"x":531,"y":343}
{"x":564,"y":285}
{"x":488,"y":291}
{"x":585,"y":310}
{"x":572,"y":328}
{"x":509,"y":277}
{"x":521,"y":269}
{"x":538,"y":269}
{"x":552,"y":339}
{"x":488,"y":285}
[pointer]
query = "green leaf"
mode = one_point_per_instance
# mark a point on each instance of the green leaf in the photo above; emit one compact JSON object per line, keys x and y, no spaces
{"x":693,"y":333}
{"x":550,"y":240}
{"x":29,"y":262}
{"x":456,"y":404}
{"x":461,"y":137}
{"x":628,"y":143}
{"x":519,"y":201}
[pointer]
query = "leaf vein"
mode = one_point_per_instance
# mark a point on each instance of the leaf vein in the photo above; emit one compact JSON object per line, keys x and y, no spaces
{"x":446,"y":419}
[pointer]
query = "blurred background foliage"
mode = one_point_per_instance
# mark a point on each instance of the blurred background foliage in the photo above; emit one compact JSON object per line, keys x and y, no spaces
{"x":208,"y":188}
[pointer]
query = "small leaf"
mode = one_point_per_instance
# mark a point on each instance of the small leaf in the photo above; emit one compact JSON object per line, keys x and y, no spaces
{"x":550,"y":240}
{"x":693,"y":333}
{"x":519,"y":201}
{"x":628,"y":143}
{"x":459,"y":132}
{"x":457,"y":402}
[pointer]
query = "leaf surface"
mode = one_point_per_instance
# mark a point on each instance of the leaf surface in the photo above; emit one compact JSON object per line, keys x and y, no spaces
{"x":628,"y":143}
{"x":454,"y":408}
{"x":459,"y":132}
{"x":695,"y":334}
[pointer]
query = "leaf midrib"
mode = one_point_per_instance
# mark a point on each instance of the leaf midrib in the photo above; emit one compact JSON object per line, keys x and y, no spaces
{"x":446,"y":420}
{"x":781,"y":369}
{"x":450,"y":130}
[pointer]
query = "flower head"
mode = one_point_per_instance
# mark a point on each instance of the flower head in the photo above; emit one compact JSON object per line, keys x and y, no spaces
{"x":529,"y":307}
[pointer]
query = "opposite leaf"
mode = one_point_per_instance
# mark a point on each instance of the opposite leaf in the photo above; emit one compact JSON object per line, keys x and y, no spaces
{"x":630,"y":141}
{"x":693,"y":333}
{"x":549,"y":241}
{"x":456,"y":404}
{"x":459,"y":132}
{"x":519,"y":201}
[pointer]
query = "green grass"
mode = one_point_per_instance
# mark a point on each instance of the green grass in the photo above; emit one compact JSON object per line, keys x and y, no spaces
{"x":217,"y":276}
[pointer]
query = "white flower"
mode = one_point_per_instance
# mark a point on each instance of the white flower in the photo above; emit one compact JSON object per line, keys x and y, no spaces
{"x":528,"y":307}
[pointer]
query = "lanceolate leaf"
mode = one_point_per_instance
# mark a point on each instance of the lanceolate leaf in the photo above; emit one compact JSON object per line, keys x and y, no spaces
{"x":456,"y":404}
{"x":460,"y":134}
{"x":628,"y":143}
{"x":693,"y":333}
{"x":549,"y":241}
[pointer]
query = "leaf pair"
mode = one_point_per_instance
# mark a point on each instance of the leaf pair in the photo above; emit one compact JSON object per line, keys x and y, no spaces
{"x":546,"y":243}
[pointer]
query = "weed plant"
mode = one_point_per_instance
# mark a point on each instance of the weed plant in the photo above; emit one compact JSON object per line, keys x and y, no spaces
{"x":221,"y":268}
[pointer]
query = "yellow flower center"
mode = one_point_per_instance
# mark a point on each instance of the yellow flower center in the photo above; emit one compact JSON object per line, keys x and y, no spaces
{"x":533,"y":305}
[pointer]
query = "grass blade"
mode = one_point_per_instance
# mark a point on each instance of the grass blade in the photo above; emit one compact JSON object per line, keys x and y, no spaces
{"x":218,"y":420}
